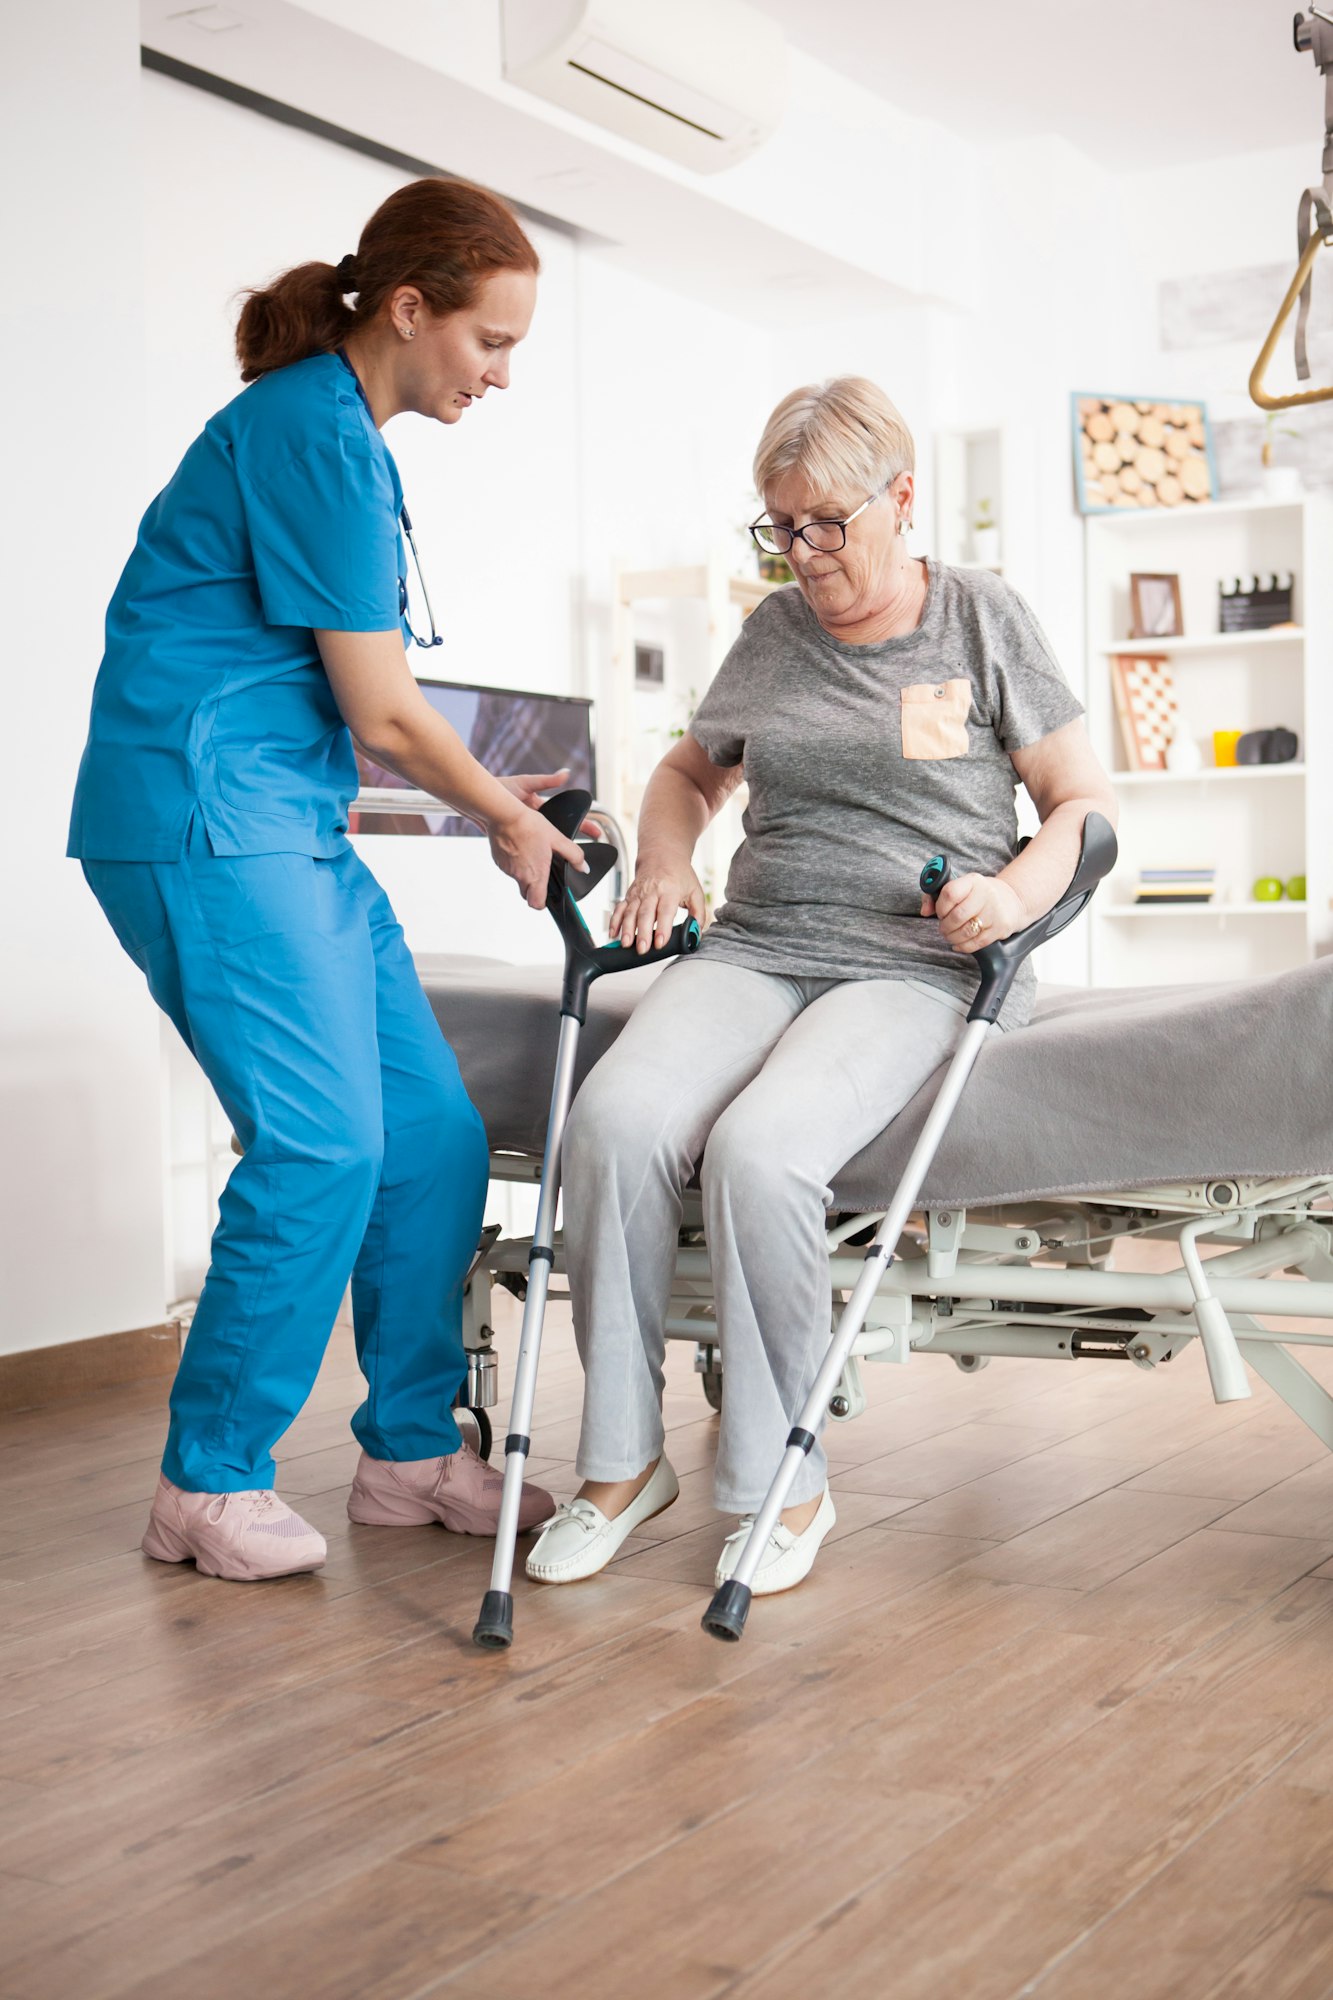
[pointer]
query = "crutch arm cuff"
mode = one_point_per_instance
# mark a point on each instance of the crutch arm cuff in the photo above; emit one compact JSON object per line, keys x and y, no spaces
{"x":999,"y":962}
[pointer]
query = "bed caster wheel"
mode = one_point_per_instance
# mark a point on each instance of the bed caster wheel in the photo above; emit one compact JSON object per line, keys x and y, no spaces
{"x":477,"y":1420}
{"x":709,"y":1370}
{"x":971,"y":1363}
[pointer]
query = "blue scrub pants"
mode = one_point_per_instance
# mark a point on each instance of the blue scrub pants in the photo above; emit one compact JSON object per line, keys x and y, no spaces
{"x":290,"y":980}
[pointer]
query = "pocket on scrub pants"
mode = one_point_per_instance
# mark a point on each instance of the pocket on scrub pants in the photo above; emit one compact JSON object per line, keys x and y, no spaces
{"x":131,"y":902}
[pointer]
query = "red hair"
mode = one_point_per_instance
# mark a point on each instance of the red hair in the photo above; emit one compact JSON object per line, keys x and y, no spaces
{"x":443,"y":236}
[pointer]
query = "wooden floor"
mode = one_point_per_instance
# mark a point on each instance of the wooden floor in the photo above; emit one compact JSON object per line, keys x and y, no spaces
{"x":1053,"y":1716}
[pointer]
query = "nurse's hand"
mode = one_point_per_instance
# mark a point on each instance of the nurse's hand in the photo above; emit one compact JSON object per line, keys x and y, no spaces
{"x":533,"y":787}
{"x":976,"y":910}
{"x":522,"y":843}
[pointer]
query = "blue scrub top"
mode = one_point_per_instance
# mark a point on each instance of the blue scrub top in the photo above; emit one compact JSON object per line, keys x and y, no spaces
{"x":282,"y":519}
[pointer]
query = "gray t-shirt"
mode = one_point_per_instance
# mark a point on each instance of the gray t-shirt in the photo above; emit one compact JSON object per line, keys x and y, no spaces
{"x":862,"y":762}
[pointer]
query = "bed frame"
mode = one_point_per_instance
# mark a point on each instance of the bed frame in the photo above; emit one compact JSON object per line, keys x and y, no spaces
{"x":1033,"y":1279}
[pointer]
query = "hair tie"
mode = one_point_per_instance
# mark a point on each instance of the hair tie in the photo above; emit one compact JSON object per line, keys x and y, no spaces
{"x":346,"y":273}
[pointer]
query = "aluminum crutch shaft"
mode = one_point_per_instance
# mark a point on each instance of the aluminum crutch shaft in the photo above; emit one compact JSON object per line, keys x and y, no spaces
{"x":495,"y":1626}
{"x":726,"y":1615}
{"x":997,"y":964}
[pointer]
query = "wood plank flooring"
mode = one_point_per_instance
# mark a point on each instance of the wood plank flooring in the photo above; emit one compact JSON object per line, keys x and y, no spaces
{"x":1052,"y":1717}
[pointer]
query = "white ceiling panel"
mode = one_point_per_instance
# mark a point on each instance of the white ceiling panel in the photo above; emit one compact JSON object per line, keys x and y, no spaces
{"x":1134,"y":83}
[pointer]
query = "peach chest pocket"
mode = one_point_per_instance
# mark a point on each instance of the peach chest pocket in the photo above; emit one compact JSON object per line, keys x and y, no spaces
{"x":934,"y":717}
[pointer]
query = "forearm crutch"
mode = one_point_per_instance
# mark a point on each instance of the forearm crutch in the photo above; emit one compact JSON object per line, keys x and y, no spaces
{"x":726,"y":1615}
{"x":584,"y":962}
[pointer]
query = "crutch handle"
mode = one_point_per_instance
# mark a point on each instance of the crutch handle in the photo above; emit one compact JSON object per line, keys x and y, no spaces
{"x":586,"y":960}
{"x":935,"y":874}
{"x":1000,"y":961}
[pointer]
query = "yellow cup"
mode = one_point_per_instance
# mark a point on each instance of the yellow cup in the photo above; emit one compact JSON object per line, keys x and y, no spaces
{"x":1224,"y":746}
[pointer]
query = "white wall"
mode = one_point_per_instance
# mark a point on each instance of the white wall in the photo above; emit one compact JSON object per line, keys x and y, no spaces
{"x":628,"y":433}
{"x":80,"y":1180}
{"x":1229,"y":233}
{"x":672,"y":396}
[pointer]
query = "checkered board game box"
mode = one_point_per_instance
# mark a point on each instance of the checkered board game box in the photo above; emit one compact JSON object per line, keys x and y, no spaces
{"x":1145,"y":702}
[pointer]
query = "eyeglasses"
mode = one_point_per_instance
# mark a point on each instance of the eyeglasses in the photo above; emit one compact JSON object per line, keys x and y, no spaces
{"x":434,"y":639}
{"x":826,"y":536}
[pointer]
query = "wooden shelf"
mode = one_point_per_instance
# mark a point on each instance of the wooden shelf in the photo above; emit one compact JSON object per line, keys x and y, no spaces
{"x":1229,"y":774}
{"x":689,"y":580}
{"x":747,"y":591}
{"x":1143,"y":518}
{"x":1284,"y":908}
{"x":1213,"y":642}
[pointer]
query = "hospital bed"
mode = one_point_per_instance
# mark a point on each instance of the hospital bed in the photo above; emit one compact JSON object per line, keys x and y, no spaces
{"x":1174,"y":1114}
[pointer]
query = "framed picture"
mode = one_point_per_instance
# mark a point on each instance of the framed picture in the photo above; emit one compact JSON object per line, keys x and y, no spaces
{"x":1155,"y":606}
{"x":1141,"y":451}
{"x":649,"y":667}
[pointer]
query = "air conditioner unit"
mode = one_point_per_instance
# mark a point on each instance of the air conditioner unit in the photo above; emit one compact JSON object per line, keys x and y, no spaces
{"x":703,"y":81}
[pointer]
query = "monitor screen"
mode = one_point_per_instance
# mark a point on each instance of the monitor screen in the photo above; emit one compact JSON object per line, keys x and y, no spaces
{"x":507,"y":730}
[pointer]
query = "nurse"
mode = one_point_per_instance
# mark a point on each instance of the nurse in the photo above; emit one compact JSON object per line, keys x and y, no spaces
{"x":257,"y":628}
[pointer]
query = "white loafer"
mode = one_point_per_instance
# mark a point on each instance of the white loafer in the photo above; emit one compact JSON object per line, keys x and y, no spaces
{"x":787,"y":1560}
{"x":579,"y":1540}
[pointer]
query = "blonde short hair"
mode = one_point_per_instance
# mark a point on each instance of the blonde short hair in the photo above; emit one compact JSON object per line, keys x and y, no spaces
{"x":844,"y":436}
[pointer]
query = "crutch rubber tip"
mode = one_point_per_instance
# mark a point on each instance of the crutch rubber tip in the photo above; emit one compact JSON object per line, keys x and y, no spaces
{"x":726,"y":1615}
{"x":495,"y":1627}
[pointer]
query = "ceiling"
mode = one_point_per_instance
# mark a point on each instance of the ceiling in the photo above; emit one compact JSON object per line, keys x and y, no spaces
{"x":1136,"y":84}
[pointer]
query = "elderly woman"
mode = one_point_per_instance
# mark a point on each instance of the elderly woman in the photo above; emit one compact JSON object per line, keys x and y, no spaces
{"x":882,"y":709}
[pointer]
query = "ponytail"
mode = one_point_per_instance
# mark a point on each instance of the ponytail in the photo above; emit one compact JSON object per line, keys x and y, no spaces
{"x":443,"y":236}
{"x":301,"y":313}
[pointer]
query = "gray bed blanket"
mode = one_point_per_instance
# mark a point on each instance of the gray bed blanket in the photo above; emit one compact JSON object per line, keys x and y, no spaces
{"x":1104,"y":1089}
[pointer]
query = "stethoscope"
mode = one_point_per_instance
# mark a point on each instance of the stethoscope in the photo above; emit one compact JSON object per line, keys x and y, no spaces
{"x":406,"y":519}
{"x":417,"y":640}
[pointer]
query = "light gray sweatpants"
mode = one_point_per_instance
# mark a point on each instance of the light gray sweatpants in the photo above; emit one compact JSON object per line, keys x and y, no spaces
{"x":775,"y":1083}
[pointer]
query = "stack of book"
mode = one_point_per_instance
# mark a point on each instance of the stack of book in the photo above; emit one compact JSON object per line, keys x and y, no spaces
{"x":1175,"y":885}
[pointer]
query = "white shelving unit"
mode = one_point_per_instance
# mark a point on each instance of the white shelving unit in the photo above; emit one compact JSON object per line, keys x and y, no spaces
{"x":1246,"y":822}
{"x":726,"y":599}
{"x":969,"y":469}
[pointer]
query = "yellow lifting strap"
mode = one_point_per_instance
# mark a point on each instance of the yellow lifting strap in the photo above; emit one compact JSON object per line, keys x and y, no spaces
{"x":1299,"y":288}
{"x":1314,"y":228}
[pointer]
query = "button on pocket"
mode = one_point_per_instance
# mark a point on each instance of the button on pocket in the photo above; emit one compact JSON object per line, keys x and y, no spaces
{"x":934,"y":719}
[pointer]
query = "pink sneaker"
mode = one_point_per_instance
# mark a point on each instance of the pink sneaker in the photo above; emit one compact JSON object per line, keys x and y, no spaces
{"x":462,"y":1491}
{"x":242,"y":1536}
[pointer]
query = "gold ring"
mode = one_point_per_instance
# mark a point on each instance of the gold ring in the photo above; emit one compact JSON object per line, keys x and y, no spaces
{"x":975,"y":928}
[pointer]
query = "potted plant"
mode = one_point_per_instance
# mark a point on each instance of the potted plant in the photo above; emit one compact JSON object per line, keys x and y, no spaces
{"x":1281,"y":482}
{"x":985,"y":536}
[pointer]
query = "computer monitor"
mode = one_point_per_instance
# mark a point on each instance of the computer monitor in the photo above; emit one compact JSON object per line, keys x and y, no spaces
{"x":506,"y":729}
